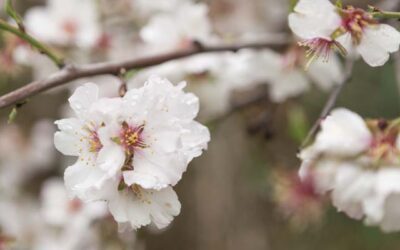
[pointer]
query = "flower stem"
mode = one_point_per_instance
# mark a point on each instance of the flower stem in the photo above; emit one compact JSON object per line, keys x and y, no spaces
{"x":33,"y":42}
{"x":386,"y":14}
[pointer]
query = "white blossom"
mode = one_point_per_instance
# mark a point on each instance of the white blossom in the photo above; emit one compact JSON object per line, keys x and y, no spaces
{"x":23,"y":156}
{"x":174,"y":29}
{"x":73,"y":219}
{"x":357,"y":163}
{"x":133,"y":149}
{"x":60,"y":210}
{"x":322,"y":27}
{"x":376,"y":44}
{"x":65,"y":23}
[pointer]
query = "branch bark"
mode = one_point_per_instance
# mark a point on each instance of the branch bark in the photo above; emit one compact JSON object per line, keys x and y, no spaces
{"x":71,"y":72}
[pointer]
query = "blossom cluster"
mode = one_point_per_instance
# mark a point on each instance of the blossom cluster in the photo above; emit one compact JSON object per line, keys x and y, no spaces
{"x":357,"y":162}
{"x":53,"y":221}
{"x":323,"y":27}
{"x":132,"y":150}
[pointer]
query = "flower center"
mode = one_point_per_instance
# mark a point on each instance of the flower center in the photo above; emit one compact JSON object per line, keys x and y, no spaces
{"x":355,"y":21}
{"x":321,"y":47}
{"x":74,"y":205}
{"x":383,"y":145}
{"x":94,"y":142}
{"x":70,"y":27}
{"x":131,"y":137}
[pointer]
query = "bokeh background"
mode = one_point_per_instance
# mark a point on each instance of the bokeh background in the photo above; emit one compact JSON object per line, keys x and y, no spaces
{"x":232,"y":195}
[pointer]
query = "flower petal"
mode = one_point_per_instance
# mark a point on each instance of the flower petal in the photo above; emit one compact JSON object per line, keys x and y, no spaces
{"x":343,"y":133}
{"x":83,"y":97}
{"x":145,"y":206}
{"x":67,"y":141}
{"x":377,"y":43}
{"x":314,"y":19}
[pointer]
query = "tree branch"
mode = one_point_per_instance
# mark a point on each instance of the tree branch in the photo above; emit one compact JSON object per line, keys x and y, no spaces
{"x":70,"y":72}
{"x":33,"y":42}
{"x":330,"y":103}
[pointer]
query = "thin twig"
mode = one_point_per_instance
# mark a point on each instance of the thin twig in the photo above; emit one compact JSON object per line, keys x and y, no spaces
{"x":330,"y":103}
{"x":33,"y":42}
{"x":70,"y":73}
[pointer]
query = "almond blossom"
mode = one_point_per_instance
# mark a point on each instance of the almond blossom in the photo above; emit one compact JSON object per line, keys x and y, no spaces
{"x":357,"y":162}
{"x":72,"y":219}
{"x":22,"y":156}
{"x":178,"y":28}
{"x":133,"y":149}
{"x":65,"y":23}
{"x":372,"y":40}
{"x":324,"y":27}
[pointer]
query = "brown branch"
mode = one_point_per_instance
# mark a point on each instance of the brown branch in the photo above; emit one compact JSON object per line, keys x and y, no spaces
{"x":330,"y":103}
{"x":70,"y":72}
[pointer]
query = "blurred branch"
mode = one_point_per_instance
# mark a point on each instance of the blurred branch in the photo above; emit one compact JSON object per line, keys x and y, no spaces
{"x":392,"y":5}
{"x":14,"y":15}
{"x":71,"y":72}
{"x":32,"y":41}
{"x":386,"y":14}
{"x":330,"y":103}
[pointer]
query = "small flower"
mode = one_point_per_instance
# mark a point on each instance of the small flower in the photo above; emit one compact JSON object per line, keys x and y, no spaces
{"x":372,"y":40}
{"x":178,"y":28}
{"x":357,"y":161}
{"x":133,"y":149}
{"x":59,"y":210}
{"x":65,"y":23}
{"x":297,"y":200}
{"x":324,"y":27}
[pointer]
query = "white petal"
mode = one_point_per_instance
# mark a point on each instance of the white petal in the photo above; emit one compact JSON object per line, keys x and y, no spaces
{"x":164,"y":207}
{"x":288,"y":84}
{"x":314,"y":19}
{"x":88,"y":183}
{"x":195,"y":139}
{"x":110,"y":159}
{"x":343,"y":133}
{"x":386,"y":187}
{"x":326,"y":74}
{"x":83,"y":97}
{"x":164,"y":169}
{"x":67,"y":141}
{"x":158,"y":207}
{"x":376,"y":44}
{"x":352,"y":186}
